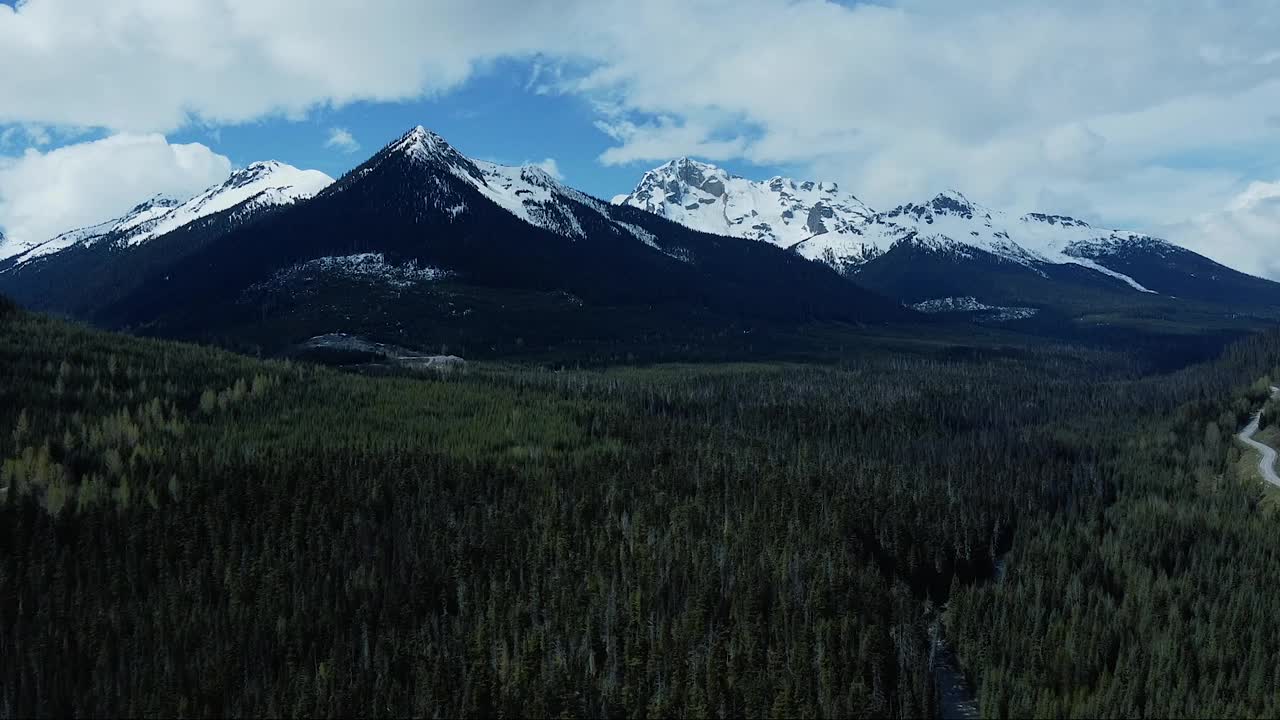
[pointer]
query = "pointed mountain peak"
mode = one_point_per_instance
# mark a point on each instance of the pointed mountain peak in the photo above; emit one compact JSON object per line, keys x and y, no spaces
{"x":415,"y":135}
{"x":682,"y":169}
{"x":421,"y":142}
{"x":953,"y":202}
{"x":686,"y":166}
{"x":685,"y":172}
{"x":424,"y":148}
{"x":953,"y":195}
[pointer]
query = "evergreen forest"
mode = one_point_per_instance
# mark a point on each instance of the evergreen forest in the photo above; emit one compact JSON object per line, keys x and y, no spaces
{"x":186,"y":532}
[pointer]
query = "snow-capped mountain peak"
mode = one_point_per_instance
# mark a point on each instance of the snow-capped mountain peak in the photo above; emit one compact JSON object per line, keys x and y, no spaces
{"x":419,"y":136}
{"x":692,"y":171}
{"x":954,"y":201}
{"x":821,"y":222}
{"x":526,"y":191}
{"x":422,"y":145}
{"x":259,"y":185}
{"x":951,"y":203}
{"x":780,"y":211}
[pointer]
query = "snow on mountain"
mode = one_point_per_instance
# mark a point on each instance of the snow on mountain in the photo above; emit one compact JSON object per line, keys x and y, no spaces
{"x":528,"y":192}
{"x":371,"y":268}
{"x":970,"y":304}
{"x":143,"y":213}
{"x":261,"y":184}
{"x":779,"y":211}
{"x":951,"y":222}
{"x":820,"y":222}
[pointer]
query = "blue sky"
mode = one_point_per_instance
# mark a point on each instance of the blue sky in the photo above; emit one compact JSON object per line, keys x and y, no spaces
{"x":495,"y":117}
{"x":1159,"y":116}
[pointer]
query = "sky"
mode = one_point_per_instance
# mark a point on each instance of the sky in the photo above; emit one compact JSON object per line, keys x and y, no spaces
{"x":1155,"y":115}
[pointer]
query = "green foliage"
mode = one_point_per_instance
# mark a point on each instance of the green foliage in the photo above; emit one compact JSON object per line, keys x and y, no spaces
{"x":1152,"y":605}
{"x":190,"y":532}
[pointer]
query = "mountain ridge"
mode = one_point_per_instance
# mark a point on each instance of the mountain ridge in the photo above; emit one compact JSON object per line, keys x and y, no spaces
{"x":836,"y":228}
{"x":423,"y":246}
{"x":420,"y":243}
{"x":259,"y":184}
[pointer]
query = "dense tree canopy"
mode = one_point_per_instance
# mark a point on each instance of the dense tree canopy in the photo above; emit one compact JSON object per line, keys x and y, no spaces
{"x":190,"y":532}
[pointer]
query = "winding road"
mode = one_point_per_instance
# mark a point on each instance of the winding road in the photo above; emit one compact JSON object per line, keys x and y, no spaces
{"x":1267,"y":465}
{"x":956,"y":698}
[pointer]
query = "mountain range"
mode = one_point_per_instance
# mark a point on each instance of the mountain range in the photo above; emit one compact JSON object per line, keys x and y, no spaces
{"x":946,"y":246}
{"x":422,"y":246}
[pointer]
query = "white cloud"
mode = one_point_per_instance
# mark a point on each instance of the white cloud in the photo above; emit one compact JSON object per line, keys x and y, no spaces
{"x":550,"y":167}
{"x":45,"y":193}
{"x":1006,"y":100}
{"x":1244,"y":235}
{"x":657,"y":139}
{"x":342,"y":139}
{"x":156,"y":65}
